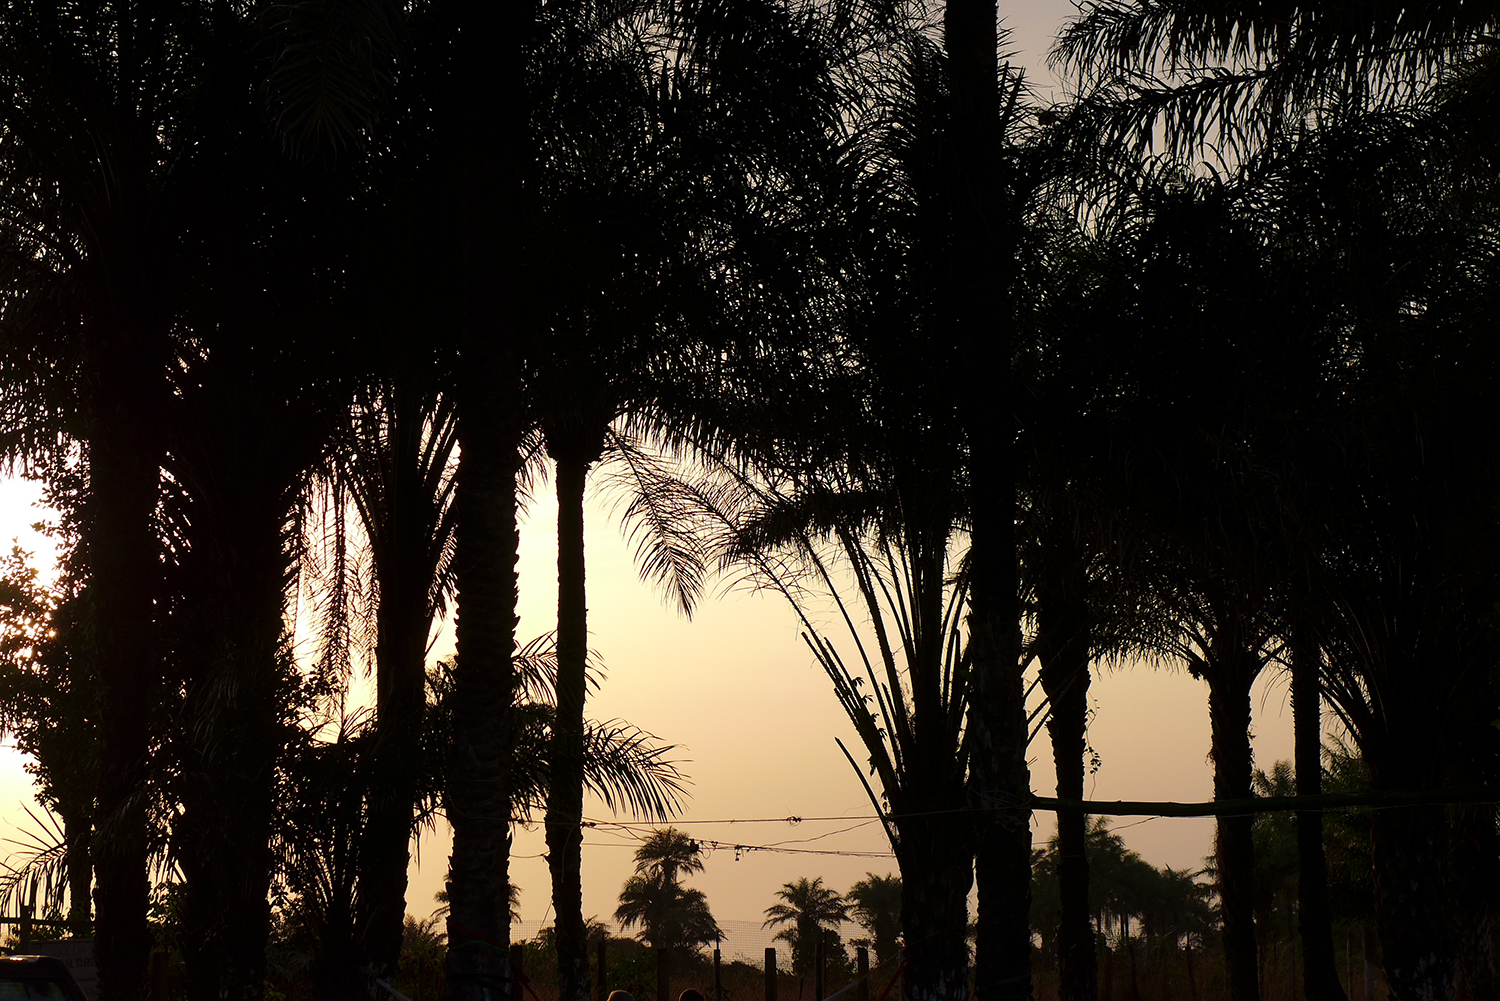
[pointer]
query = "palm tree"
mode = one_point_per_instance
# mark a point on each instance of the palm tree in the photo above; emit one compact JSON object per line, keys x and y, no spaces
{"x":326,"y":804}
{"x":812,"y":913}
{"x":883,"y":486}
{"x":255,"y":403}
{"x":1238,"y":75}
{"x":657,"y":125}
{"x":98,"y":161}
{"x":875,"y":905}
{"x":667,"y":855}
{"x":671,"y":915}
{"x":395,"y":465}
{"x":982,"y":192}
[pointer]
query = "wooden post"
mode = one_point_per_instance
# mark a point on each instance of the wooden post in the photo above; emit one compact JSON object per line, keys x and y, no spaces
{"x":820,"y":967}
{"x":603,"y":969}
{"x":663,"y":975}
{"x":25,"y":943}
{"x":770,"y":973}
{"x":517,"y":971}
{"x":718,"y":983}
{"x":862,"y":970}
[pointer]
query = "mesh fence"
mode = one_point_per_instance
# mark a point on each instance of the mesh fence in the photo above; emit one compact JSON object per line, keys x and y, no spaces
{"x":743,"y":941}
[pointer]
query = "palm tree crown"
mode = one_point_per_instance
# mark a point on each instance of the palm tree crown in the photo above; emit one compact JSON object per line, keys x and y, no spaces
{"x":671,"y":916}
{"x":808,"y":909}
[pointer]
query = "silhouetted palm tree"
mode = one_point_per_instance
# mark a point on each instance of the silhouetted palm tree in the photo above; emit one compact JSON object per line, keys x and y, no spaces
{"x":395,"y":466}
{"x":812,"y":914}
{"x":101,"y":152}
{"x":671,"y":915}
{"x":875,"y":904}
{"x":1236,"y":75}
{"x":327,"y":803}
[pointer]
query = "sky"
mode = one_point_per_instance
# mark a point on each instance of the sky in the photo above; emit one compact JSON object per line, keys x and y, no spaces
{"x":753,"y":717}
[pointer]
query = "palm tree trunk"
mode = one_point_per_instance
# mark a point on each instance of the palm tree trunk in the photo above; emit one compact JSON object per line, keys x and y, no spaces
{"x":492,"y":118}
{"x":565,"y":796}
{"x":1315,"y":920}
{"x":477,"y":795}
{"x":232,"y":732}
{"x":1063,"y":645}
{"x":122,"y":374}
{"x":403,"y":622}
{"x":1234,"y":852}
{"x":936,"y":875}
{"x":1000,"y":787}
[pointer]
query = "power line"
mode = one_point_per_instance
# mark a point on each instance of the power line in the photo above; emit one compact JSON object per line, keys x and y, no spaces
{"x":743,"y":849}
{"x":739,"y":849}
{"x":738,"y":820}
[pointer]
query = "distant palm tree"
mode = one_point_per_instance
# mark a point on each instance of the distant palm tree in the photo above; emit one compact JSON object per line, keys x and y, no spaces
{"x":668,"y":854}
{"x":671,"y":915}
{"x":875,"y":905}
{"x":809,"y":910}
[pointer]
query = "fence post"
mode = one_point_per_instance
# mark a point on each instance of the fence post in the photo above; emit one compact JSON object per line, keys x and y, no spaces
{"x":663,"y":975}
{"x":718,"y":983}
{"x":603,"y":969}
{"x":862,"y":970}
{"x":820,"y":967}
{"x":517,"y":971}
{"x":770,"y":973}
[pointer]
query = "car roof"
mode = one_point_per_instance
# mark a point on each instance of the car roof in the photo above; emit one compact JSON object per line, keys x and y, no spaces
{"x":37,"y":966}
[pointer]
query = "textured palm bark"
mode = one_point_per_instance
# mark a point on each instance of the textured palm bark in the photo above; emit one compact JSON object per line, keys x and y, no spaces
{"x":1413,"y":910}
{"x":233,"y":738}
{"x":1234,"y":852}
{"x":406,"y":566}
{"x":477,"y":792}
{"x":123,"y":373}
{"x":1000,"y":782}
{"x":385,"y":842}
{"x":492,"y":118}
{"x":936,"y":874}
{"x":1314,"y":918}
{"x":573,"y":453}
{"x":1063,"y":641}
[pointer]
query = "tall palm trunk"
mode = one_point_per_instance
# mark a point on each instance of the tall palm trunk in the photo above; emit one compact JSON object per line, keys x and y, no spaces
{"x":1000,"y":779}
{"x":478,"y":795}
{"x":125,"y":374}
{"x":493,"y":122}
{"x":1063,"y":646}
{"x":1314,"y":918}
{"x":574,"y":450}
{"x":403,"y":621}
{"x":1231,"y":671}
{"x":936,"y":859}
{"x":233,"y":730}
